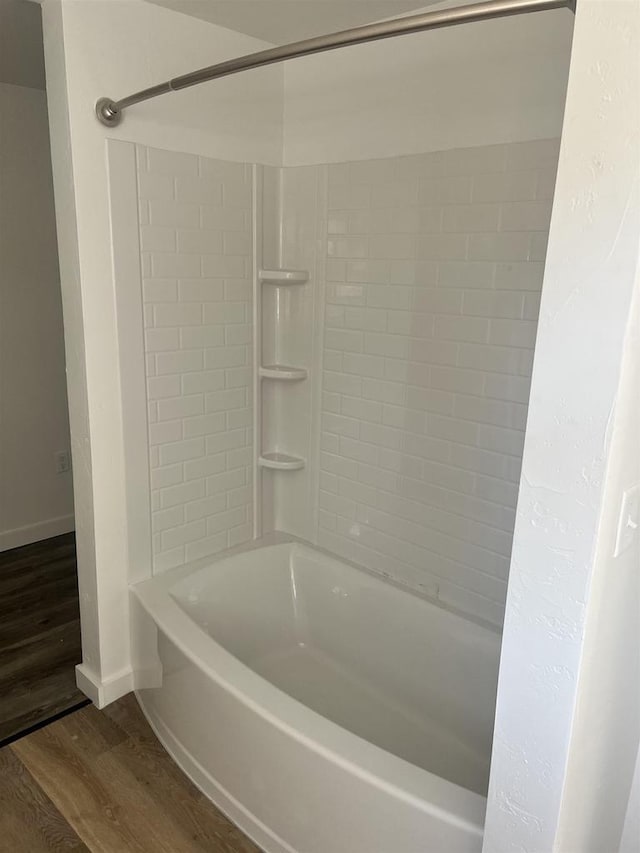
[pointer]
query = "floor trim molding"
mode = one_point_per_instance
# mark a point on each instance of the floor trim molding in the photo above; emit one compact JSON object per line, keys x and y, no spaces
{"x":36,"y":532}
{"x":103,"y":692}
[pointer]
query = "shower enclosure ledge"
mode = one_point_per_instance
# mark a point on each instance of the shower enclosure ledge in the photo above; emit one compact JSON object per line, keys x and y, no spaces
{"x":281,"y":461}
{"x":283,"y":372}
{"x":283,"y":277}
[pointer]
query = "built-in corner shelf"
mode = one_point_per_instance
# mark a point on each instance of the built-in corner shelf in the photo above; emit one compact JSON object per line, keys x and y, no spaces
{"x":282,"y":372}
{"x":280,"y":462}
{"x":283,"y":277}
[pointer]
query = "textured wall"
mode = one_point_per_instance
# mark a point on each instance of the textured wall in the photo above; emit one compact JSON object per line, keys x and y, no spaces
{"x":434,"y":271}
{"x":195,"y":237}
{"x":564,"y":501}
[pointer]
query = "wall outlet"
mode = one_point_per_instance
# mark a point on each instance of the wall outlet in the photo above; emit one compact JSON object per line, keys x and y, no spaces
{"x":63,"y":461}
{"x":629,"y":520}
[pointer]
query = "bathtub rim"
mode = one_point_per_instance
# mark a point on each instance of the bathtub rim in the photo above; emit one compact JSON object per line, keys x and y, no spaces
{"x":432,"y":794}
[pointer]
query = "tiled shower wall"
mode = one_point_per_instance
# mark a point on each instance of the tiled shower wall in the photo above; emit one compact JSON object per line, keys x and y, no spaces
{"x":195,"y":238}
{"x":434,"y":272}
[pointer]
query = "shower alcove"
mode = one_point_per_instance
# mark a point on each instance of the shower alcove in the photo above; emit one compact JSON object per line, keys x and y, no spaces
{"x":325,"y":375}
{"x":336,"y":396}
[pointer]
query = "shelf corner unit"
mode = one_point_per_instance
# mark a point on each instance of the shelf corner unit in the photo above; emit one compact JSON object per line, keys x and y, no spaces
{"x":280,"y":462}
{"x":282,"y":372}
{"x":283,"y":277}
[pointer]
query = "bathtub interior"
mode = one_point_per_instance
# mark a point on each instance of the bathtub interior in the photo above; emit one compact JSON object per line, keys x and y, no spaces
{"x":392,"y":668}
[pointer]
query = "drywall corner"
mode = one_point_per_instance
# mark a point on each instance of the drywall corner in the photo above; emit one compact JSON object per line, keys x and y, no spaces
{"x":63,"y":180}
{"x":589,"y":284}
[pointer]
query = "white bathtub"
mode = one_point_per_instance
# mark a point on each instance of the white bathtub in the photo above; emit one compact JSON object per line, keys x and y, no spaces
{"x":320,"y":707}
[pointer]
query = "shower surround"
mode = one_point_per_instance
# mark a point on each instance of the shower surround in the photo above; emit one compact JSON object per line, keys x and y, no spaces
{"x":416,"y":330}
{"x":196,"y":242}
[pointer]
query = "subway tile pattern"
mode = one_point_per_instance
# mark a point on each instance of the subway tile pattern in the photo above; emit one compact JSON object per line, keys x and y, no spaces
{"x":196,"y":245}
{"x":434,"y":271}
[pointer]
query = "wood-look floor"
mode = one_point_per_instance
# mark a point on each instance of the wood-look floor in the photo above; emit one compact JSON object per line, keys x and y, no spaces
{"x":101,"y":781}
{"x":39,"y":633}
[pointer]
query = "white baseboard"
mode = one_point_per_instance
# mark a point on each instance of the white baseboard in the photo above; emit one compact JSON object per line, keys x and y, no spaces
{"x":103,"y":692}
{"x":36,"y":532}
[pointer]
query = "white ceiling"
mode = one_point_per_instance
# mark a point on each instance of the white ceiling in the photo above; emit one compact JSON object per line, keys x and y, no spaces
{"x":281,"y":21}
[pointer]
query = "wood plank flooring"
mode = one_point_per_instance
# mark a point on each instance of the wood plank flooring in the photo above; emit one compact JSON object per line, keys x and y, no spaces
{"x":101,"y":781}
{"x":39,"y":633}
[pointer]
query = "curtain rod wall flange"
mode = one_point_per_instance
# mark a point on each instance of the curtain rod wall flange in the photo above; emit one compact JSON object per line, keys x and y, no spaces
{"x":109,"y":112}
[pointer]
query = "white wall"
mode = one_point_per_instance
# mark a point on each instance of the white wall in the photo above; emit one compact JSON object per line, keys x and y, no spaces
{"x":496,"y":81}
{"x":630,"y":840}
{"x":112,"y":48}
{"x":589,"y":281}
{"x":605,"y":740}
{"x":35,"y":501}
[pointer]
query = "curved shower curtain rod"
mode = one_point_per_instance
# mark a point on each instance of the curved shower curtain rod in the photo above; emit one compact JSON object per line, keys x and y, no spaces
{"x":109,"y":112}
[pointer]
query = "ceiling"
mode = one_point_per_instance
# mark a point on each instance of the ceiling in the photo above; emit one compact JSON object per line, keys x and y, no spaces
{"x":282,"y":21}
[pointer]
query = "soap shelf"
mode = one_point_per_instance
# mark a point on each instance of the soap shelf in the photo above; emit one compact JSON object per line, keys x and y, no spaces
{"x":282,"y":372}
{"x":283,"y":277}
{"x":275,"y":460}
{"x":281,"y":462}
